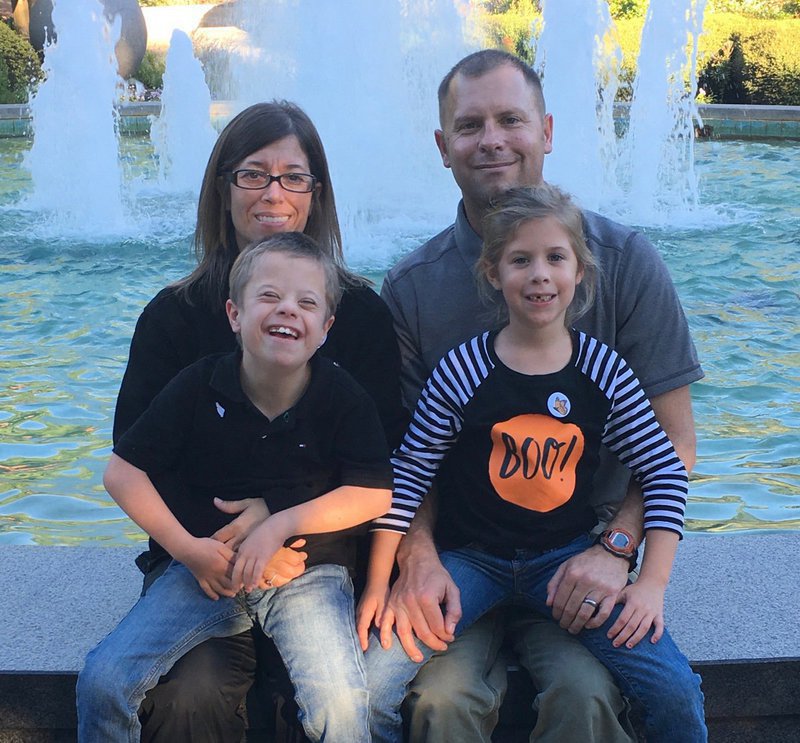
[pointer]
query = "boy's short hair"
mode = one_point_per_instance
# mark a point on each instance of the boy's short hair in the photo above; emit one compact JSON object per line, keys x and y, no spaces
{"x":295,"y":244}
{"x":509,"y":212}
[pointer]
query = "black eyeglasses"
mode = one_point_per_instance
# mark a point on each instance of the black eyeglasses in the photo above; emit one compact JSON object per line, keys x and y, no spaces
{"x":255,"y":180}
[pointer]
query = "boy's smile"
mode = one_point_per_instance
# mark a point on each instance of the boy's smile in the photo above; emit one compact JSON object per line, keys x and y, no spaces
{"x":283,"y":316}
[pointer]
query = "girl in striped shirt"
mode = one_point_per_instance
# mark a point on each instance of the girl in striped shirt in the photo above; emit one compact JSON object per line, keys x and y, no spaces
{"x":510,"y":424}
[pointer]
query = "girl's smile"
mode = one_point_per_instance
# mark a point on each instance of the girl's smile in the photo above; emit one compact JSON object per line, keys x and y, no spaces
{"x":537,"y":273}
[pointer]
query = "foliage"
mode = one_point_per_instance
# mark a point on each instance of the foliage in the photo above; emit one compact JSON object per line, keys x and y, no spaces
{"x":509,"y":25}
{"x":755,"y":8}
{"x":19,"y":66}
{"x":627,"y":8}
{"x":151,"y":70}
{"x":752,"y":61}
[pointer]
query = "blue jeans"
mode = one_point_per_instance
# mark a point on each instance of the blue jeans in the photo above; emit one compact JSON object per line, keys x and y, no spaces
{"x":310,"y":619}
{"x":655,"y":677}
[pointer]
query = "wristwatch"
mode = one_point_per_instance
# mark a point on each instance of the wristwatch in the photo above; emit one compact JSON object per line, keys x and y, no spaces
{"x":620,"y":543}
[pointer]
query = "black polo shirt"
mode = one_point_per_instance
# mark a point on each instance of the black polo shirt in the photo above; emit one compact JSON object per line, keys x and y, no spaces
{"x":201,"y":437}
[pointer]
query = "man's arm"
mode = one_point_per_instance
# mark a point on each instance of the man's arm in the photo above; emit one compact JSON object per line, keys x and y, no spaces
{"x":422,"y":588}
{"x":596,"y":573}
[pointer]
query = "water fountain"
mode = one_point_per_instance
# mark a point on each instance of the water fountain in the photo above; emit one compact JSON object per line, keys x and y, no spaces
{"x":79,"y":264}
{"x":182,"y":135}
{"x":73,"y":112}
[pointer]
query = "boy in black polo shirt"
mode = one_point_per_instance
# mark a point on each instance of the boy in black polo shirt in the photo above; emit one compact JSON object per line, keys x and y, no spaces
{"x":276,"y":421}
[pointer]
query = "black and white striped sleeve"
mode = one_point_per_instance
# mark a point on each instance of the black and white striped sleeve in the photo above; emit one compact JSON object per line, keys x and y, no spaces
{"x":635,"y":436}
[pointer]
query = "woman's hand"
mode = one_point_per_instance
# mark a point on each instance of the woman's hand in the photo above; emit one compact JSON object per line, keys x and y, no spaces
{"x":644,"y":608}
{"x":370,"y":610}
{"x":257,"y":551}
{"x":286,"y":564}
{"x":252,"y":511}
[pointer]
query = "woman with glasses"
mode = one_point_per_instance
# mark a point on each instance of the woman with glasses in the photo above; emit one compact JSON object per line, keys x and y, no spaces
{"x":266,"y":174}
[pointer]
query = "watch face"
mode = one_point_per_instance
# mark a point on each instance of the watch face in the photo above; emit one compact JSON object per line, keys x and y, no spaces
{"x":619,"y":540}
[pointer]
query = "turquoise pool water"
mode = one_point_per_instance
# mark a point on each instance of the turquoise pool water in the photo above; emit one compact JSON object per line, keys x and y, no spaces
{"x":68,"y":308}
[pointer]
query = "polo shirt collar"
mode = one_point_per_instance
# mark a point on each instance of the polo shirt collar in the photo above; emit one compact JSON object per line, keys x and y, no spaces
{"x":226,"y":380}
{"x":468,"y":241}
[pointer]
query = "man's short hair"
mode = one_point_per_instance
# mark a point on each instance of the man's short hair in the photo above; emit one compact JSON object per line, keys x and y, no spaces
{"x":479,"y":63}
{"x":295,"y":244}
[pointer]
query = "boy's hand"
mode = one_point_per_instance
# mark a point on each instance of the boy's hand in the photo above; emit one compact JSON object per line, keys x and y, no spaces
{"x":644,"y":608}
{"x":252,"y":511}
{"x":370,"y":609}
{"x":255,"y":552}
{"x":211,"y":563}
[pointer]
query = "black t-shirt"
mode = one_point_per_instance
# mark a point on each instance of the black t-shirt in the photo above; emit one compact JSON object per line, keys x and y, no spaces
{"x":201,"y":437}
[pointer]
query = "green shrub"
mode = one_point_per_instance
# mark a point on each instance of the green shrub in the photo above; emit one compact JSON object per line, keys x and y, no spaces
{"x":151,"y":70}
{"x":627,"y":8}
{"x":751,"y":61}
{"x":19,"y":66}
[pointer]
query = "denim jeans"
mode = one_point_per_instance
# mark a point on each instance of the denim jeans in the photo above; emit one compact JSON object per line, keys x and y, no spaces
{"x":310,"y":619}
{"x":656,"y":677}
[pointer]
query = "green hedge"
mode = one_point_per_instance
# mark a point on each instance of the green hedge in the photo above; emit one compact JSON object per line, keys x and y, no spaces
{"x":740,"y":59}
{"x":752,"y":61}
{"x":151,"y":70}
{"x":19,"y":66}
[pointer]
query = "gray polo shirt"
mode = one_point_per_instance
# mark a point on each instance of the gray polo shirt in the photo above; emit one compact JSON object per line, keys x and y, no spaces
{"x":433,"y":296}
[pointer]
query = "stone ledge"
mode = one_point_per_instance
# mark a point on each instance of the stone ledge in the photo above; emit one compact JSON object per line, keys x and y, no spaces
{"x":726,"y":607}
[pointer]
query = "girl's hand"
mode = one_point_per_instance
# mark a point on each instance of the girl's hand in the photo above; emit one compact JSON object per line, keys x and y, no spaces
{"x":644,"y":608}
{"x":252,"y":511}
{"x":211,"y":563}
{"x":370,"y":609}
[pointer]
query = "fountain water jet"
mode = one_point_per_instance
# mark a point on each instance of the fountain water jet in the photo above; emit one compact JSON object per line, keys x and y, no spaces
{"x":74,"y":159}
{"x":182,"y":135}
{"x":658,"y":149}
{"x":579,"y":64}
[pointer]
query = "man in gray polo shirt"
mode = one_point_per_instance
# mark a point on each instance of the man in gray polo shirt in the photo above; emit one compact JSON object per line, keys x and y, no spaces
{"x":494,"y":136}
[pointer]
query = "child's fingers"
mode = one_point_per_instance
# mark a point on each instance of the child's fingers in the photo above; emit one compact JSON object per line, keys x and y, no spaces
{"x":362,"y":628}
{"x":208,"y":590}
{"x":658,"y":628}
{"x":622,"y":620}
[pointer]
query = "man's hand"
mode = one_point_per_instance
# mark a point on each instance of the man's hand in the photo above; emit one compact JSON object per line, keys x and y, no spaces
{"x":421,"y":592}
{"x":594,"y":574}
{"x":252,"y":511}
{"x":211,"y":563}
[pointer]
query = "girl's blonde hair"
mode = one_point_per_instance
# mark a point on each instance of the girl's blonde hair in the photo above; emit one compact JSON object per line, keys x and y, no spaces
{"x":520,"y":205}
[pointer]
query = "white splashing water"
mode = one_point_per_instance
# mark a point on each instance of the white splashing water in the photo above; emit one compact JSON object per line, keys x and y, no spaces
{"x":182,"y":135}
{"x":74,"y":158}
{"x":656,"y":166}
